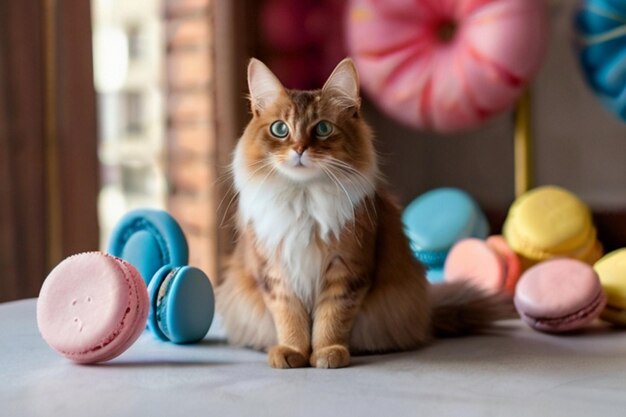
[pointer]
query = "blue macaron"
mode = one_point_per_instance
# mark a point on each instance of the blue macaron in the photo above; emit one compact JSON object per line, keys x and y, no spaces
{"x":182,"y":304}
{"x":436,"y":220}
{"x":149,"y":239}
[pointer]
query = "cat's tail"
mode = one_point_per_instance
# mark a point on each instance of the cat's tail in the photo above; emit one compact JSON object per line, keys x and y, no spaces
{"x":460,"y":308}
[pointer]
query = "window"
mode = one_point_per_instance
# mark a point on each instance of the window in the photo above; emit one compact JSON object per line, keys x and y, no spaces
{"x":133,"y":112}
{"x":155,"y":70}
{"x":128,"y":70}
{"x":135,"y":43}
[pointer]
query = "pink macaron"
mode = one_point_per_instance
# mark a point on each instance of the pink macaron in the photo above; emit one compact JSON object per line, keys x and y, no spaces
{"x":491,"y":264}
{"x":559,"y":295}
{"x":92,"y":307}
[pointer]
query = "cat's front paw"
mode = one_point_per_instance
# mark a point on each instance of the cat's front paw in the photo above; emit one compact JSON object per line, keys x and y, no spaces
{"x":284,"y":357}
{"x":335,"y":356}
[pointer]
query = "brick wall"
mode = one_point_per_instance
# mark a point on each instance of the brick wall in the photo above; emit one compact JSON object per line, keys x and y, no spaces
{"x":191,"y":126}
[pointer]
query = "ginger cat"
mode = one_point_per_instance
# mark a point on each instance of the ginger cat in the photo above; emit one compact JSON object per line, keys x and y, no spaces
{"x":321,"y":267}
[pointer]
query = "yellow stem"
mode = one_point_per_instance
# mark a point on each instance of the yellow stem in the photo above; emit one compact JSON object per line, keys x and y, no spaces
{"x":522,"y":145}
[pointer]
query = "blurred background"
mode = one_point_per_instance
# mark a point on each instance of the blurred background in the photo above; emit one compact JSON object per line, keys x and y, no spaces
{"x":110,"y":105}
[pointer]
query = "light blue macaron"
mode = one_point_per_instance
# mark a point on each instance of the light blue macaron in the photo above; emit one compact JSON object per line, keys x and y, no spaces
{"x":149,"y":239}
{"x":436,"y":220}
{"x":182,"y":304}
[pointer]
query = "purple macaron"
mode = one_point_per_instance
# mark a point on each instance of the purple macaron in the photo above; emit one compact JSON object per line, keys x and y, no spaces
{"x":559,"y":295}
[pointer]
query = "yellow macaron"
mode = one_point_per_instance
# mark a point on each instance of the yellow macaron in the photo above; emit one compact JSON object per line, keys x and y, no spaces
{"x":550,"y":221}
{"x":612,"y":271}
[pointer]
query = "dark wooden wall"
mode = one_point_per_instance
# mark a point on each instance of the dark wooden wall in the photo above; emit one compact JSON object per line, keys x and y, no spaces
{"x":48,"y":157}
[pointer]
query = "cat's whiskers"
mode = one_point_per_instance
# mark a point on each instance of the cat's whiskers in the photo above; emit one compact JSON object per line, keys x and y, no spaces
{"x":350,"y":176}
{"x":350,"y":173}
{"x":231,"y":173}
{"x":343,"y":165}
{"x":228,"y":175}
{"x":260,"y":186}
{"x":348,"y":167}
{"x":264,"y":164}
{"x":338,"y":183}
{"x":359,"y":187}
{"x":230,"y":202}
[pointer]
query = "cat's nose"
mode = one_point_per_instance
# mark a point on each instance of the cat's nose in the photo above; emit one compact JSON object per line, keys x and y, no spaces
{"x":300,"y":149}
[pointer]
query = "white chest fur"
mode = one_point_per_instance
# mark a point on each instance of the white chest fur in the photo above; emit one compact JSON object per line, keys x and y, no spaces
{"x":294,"y":221}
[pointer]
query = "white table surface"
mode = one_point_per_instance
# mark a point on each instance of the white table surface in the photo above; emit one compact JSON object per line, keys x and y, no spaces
{"x":514,"y":372}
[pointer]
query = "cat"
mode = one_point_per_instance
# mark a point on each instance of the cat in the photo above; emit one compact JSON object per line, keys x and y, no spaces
{"x":321,"y":268}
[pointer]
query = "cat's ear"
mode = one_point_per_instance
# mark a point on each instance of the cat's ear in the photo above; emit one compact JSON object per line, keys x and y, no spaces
{"x":264,"y":87}
{"x":343,"y":85}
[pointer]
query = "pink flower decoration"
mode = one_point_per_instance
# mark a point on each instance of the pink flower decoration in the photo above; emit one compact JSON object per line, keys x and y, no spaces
{"x":446,"y":65}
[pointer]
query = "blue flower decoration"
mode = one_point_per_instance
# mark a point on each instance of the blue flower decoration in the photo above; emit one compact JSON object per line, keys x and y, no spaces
{"x":601,"y":27}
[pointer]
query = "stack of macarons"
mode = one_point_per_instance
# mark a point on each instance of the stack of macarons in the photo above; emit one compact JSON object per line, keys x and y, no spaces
{"x":544,"y":223}
{"x":557,"y":295}
{"x":438,"y":219}
{"x":544,"y":261}
{"x":549,"y":222}
{"x":94,"y":305}
{"x":181,"y":297}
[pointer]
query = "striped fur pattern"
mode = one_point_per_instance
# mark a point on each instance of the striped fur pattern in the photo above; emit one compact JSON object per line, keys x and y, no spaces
{"x":321,"y":268}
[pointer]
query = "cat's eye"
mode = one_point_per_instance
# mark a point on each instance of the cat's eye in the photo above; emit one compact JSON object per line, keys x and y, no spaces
{"x":279,"y":129}
{"x":323,"y":129}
